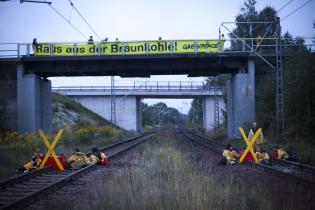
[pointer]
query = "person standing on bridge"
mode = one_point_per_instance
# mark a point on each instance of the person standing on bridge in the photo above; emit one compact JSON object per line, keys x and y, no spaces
{"x":91,"y":41}
{"x":34,"y":45}
{"x":221,"y":43}
{"x":259,"y":139}
{"x":258,"y":42}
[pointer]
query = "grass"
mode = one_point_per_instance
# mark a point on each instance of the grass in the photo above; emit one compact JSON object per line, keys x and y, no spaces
{"x":14,"y":156}
{"x":17,"y":149}
{"x":72,"y":105}
{"x":300,"y":149}
{"x":163,"y":174}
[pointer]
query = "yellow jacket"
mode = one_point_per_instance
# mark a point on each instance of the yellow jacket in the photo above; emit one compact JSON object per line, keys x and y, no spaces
{"x":282,"y":154}
{"x":259,"y":139}
{"x":262,"y":156}
{"x":34,"y":164}
{"x":30,"y":165}
{"x":94,"y":159}
{"x":230,"y":155}
{"x":78,"y":159}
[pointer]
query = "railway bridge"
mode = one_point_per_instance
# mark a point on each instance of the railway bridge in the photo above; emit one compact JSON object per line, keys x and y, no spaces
{"x":127,"y":100}
{"x":27,"y":89}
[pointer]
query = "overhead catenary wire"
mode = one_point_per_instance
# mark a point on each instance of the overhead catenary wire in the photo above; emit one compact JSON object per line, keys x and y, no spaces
{"x":68,"y":21}
{"x":70,"y":16}
{"x":297,"y":9}
{"x":284,"y":6}
{"x":281,"y":8}
{"x":71,"y":3}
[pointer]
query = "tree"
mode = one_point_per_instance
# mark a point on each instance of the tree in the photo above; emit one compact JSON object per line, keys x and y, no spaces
{"x":248,"y":13}
{"x":299,"y":84}
{"x":161,"y":114}
{"x":195,"y":112}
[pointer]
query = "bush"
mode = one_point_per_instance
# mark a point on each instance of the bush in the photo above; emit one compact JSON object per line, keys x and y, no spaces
{"x":86,"y":134}
{"x":107,"y":131}
{"x":16,"y":140}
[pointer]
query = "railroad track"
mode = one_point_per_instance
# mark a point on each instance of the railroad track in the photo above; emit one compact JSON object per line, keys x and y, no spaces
{"x":23,"y":190}
{"x":297,"y":172}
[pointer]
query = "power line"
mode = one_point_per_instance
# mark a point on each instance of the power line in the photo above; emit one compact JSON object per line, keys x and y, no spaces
{"x":294,"y":11}
{"x":284,"y":6}
{"x":281,"y":8}
{"x":70,"y":16}
{"x":68,"y":21}
{"x":71,"y":3}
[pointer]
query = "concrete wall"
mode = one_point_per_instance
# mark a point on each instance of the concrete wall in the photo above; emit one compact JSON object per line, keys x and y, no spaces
{"x":128,"y":110}
{"x":33,"y":102}
{"x":139,"y":114}
{"x":241,"y":99}
{"x":208,"y":112}
{"x":128,"y":115}
{"x":8,"y":93}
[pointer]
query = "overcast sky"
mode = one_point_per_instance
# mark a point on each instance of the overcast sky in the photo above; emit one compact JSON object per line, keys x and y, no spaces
{"x":136,"y":20}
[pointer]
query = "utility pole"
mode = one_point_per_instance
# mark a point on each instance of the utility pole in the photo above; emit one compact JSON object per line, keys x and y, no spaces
{"x":112,"y":100}
{"x":216,"y":103}
{"x":279,"y":77}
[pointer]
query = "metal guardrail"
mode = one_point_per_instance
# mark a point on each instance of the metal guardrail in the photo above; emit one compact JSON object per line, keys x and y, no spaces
{"x":18,"y":50}
{"x":268,"y":45}
{"x":147,"y":88}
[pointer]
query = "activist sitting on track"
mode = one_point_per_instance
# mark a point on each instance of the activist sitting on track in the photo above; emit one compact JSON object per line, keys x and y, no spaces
{"x":229,"y":155}
{"x":262,"y":156}
{"x":78,"y":160}
{"x":280,"y":153}
{"x":98,"y":157}
{"x":33,"y":164}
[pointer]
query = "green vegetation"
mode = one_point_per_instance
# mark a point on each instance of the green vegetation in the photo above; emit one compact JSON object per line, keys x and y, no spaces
{"x":83,"y":125}
{"x":298,"y":80}
{"x":160,"y":114}
{"x":71,"y":105}
{"x":195,"y":114}
{"x":82,"y":129}
{"x":163,"y":174}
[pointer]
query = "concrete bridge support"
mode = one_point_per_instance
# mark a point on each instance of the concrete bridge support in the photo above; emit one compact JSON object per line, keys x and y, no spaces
{"x":208,"y":112}
{"x":128,"y":113}
{"x":241,"y":99}
{"x":8,"y":93}
{"x":33,"y":102}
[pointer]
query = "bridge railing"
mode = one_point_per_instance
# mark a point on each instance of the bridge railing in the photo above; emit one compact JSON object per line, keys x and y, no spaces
{"x":231,"y":45}
{"x":139,"y":89}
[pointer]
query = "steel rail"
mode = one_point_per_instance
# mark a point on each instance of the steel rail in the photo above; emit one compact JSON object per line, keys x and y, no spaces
{"x":266,"y":168}
{"x":29,"y":198}
{"x":11,"y":181}
{"x":302,"y":166}
{"x":14,"y":180}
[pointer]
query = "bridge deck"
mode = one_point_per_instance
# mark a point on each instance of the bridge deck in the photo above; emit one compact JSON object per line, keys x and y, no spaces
{"x":151,"y":91}
{"x":201,"y":64}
